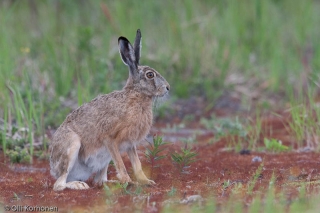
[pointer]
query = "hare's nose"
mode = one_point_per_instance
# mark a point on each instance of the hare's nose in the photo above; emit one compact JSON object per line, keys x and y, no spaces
{"x":168,"y":87}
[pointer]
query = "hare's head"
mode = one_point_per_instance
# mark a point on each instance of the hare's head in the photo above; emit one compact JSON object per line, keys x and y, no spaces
{"x":144,"y":79}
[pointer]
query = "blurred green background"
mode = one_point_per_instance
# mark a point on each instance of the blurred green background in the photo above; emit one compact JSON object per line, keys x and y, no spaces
{"x":55,"y":55}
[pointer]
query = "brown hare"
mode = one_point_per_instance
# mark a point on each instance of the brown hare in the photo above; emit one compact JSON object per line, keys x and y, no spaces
{"x":97,"y":132}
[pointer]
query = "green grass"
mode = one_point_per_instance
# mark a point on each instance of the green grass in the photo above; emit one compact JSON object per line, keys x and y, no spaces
{"x":241,"y":198}
{"x":255,"y":178}
{"x":59,"y":55}
{"x":271,"y":201}
{"x":274,"y":145}
{"x":305,"y":124}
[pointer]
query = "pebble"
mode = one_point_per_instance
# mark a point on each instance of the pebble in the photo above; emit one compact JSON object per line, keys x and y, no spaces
{"x":191,"y":199}
{"x":256,"y":159}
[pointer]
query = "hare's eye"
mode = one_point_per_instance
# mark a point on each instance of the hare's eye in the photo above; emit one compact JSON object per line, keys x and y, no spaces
{"x":150,"y":75}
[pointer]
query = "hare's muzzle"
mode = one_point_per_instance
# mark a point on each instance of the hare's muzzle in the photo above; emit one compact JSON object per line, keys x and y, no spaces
{"x":164,"y":90}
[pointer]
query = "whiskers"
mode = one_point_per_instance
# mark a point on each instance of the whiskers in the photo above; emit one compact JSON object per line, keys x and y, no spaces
{"x":158,"y":101}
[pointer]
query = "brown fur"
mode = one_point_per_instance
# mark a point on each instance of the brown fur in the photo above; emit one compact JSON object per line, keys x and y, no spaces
{"x":98,"y":131}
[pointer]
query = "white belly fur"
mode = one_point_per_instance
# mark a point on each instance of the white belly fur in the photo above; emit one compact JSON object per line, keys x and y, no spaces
{"x":94,"y":163}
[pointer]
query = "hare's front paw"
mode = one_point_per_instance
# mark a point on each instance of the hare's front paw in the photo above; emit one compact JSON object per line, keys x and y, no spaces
{"x":147,"y":182}
{"x":142,"y":179}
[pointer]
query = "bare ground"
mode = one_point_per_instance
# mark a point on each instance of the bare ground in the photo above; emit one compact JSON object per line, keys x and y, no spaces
{"x":215,"y":174}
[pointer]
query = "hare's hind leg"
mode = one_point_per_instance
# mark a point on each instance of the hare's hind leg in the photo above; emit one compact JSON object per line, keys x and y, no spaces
{"x":136,"y":164}
{"x":71,"y":157}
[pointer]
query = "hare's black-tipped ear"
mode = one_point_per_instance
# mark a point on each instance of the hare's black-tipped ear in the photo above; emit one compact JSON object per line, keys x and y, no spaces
{"x":137,"y":46}
{"x":127,"y":54}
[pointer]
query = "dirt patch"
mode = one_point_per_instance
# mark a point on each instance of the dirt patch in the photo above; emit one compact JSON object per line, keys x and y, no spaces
{"x":216,"y":173}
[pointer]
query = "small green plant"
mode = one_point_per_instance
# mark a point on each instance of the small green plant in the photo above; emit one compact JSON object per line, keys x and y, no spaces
{"x":14,"y":141}
{"x":254,"y":129}
{"x":19,"y":155}
{"x":183,"y":159}
{"x":138,"y":190}
{"x":110,"y":198}
{"x":172,"y":191}
{"x":107,"y":190}
{"x":16,"y":196}
{"x":275,"y":145}
{"x":42,"y":155}
{"x":238,"y":187}
{"x":124,"y":187}
{"x":14,"y":136}
{"x":226,"y":184}
{"x":153,"y":152}
{"x":254,"y":180}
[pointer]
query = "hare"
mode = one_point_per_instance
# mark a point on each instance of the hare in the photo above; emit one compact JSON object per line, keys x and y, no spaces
{"x":97,"y":132}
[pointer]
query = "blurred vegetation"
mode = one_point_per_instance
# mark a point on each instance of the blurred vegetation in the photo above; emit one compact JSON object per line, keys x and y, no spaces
{"x":56,"y":55}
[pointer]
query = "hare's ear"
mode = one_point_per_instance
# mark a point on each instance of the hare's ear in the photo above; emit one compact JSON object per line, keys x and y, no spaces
{"x":137,"y":46}
{"x":128,"y":55}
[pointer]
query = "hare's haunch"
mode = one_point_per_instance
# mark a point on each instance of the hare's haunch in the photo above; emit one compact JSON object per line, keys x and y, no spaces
{"x":97,"y":132}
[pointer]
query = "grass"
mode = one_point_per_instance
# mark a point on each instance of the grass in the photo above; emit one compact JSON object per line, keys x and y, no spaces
{"x":304,"y":125}
{"x":272,"y":201}
{"x":255,"y":178}
{"x":56,"y":56}
{"x":274,"y":145}
{"x":227,"y":127}
{"x":241,"y":198}
{"x":254,"y":130}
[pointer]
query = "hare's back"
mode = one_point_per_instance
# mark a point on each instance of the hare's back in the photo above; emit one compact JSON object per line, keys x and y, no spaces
{"x":100,"y":113}
{"x":119,"y":115}
{"x":101,"y":106}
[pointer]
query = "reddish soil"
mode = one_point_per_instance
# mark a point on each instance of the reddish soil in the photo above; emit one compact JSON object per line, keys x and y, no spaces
{"x":23,"y":184}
